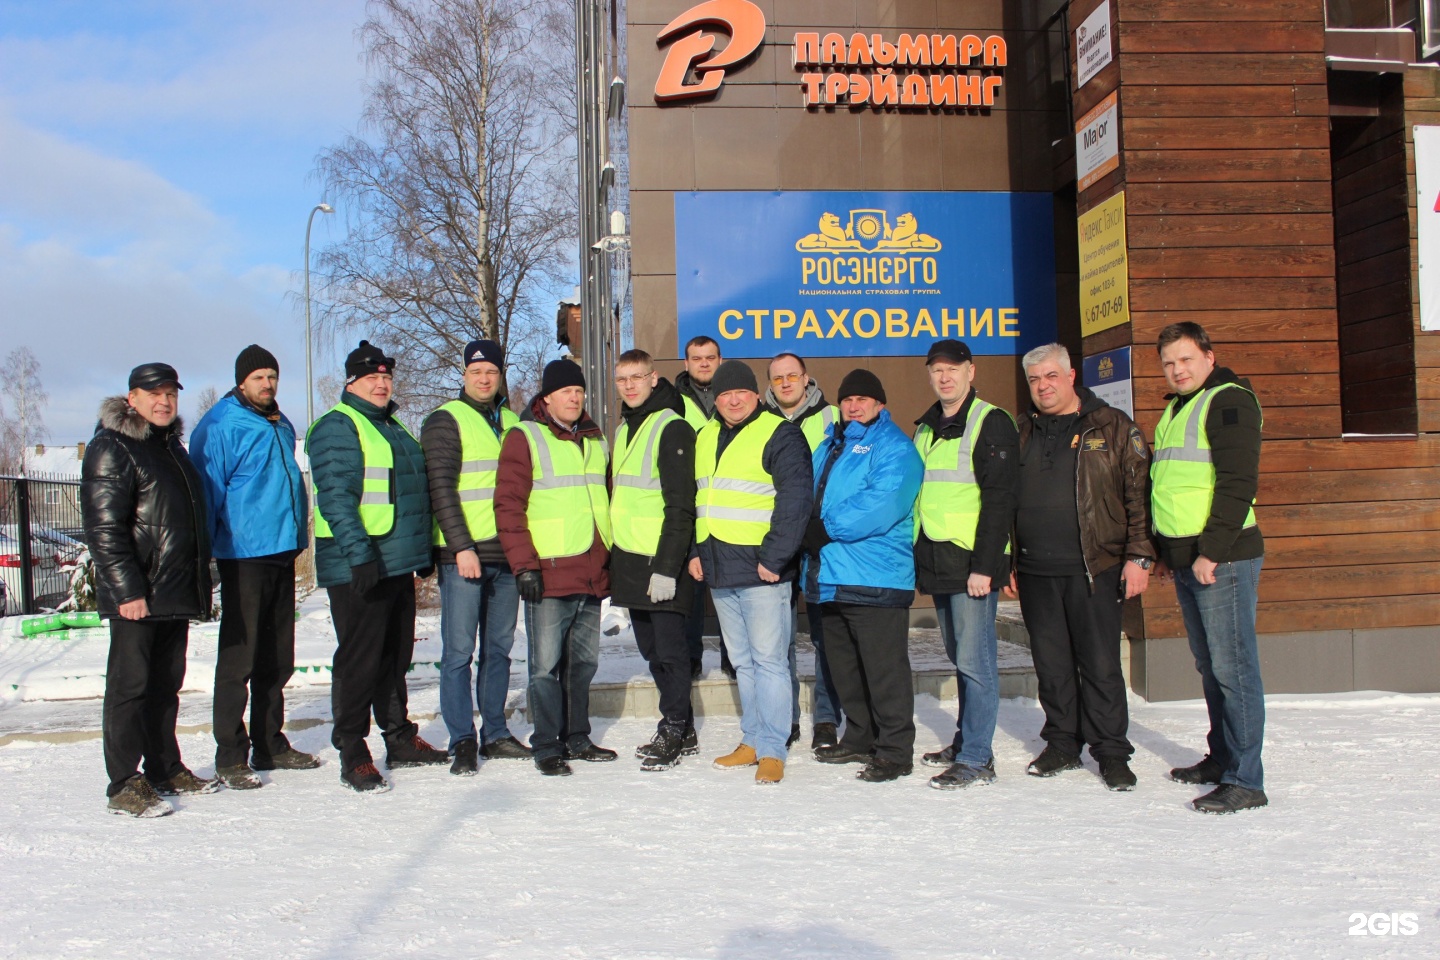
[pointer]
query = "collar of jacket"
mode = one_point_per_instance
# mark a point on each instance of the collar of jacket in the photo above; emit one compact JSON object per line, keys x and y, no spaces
{"x":489,"y":410}
{"x":663,"y":397}
{"x":117,"y":415}
{"x":1217,"y":376}
{"x":367,"y":408}
{"x":729,"y":431}
{"x":273,"y":414}
{"x":584,"y":427}
{"x":813,"y":403}
{"x":1089,"y":403}
{"x":956,"y":428}
{"x":861,"y":428}
{"x":695,"y":391}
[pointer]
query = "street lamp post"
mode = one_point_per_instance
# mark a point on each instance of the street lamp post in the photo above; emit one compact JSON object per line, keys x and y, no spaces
{"x":309,"y":381}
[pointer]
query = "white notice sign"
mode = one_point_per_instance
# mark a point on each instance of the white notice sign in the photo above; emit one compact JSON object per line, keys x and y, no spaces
{"x":1093,"y":49}
{"x":1427,"y":212}
{"x":1097,"y":143}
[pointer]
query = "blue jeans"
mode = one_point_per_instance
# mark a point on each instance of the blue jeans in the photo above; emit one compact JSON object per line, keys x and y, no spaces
{"x":967,"y":625}
{"x":564,"y":643}
{"x":464,"y":606}
{"x":755,"y":623}
{"x":1220,"y":619}
{"x":826,"y":707}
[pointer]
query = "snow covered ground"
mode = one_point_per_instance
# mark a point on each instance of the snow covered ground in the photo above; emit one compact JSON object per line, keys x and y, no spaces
{"x":696,"y":862}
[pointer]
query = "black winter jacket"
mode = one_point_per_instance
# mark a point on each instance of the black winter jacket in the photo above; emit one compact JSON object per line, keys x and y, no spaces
{"x":943,"y":567}
{"x":675,"y":458}
{"x":144,"y":511}
{"x":440,"y":438}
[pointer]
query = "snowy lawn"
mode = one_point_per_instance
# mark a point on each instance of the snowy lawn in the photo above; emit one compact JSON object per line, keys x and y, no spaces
{"x":696,"y":862}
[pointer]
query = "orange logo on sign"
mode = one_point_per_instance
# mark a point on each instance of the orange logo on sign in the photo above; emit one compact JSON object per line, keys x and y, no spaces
{"x":743,"y":20}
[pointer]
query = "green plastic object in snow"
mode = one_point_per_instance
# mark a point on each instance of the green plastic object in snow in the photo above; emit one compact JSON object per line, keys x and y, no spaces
{"x":34,"y":626}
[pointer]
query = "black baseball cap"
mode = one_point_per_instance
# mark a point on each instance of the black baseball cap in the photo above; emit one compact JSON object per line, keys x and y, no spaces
{"x":148,"y":376}
{"x":951,"y":351}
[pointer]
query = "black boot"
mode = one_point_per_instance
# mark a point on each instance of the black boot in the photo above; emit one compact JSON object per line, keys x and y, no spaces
{"x":466,"y":763}
{"x":1115,"y":771}
{"x":840,"y":753}
{"x":364,"y":778}
{"x":1231,"y":798}
{"x":591,"y":753}
{"x":506,"y":748}
{"x":689,"y":745}
{"x":1053,"y":760}
{"x":825,"y":735}
{"x":1206,"y":771}
{"x":940,"y":758}
{"x":665,"y":750}
{"x":794,"y":736}
{"x":880,"y":770}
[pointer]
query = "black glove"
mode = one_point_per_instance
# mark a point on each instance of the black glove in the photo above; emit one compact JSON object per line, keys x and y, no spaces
{"x":531,"y":586}
{"x":815,"y":536}
{"x":364,"y":576}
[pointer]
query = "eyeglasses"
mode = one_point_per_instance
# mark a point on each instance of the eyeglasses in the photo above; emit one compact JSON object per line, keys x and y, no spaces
{"x":786,"y":378}
{"x":638,"y":379}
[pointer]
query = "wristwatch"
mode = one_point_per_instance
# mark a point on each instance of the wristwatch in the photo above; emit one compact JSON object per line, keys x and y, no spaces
{"x":1144,"y":563}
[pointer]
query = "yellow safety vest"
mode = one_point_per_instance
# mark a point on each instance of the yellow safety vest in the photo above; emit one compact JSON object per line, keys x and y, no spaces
{"x":735,"y":498}
{"x":694,"y":414}
{"x":377,"y":492}
{"x":949,"y":504}
{"x":479,"y":460}
{"x":637,"y":507}
{"x":568,"y":502}
{"x":817,"y":424}
{"x":1182,"y":475}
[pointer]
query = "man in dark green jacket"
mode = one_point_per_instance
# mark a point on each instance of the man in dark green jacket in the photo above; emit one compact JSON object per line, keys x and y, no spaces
{"x":372,"y":535}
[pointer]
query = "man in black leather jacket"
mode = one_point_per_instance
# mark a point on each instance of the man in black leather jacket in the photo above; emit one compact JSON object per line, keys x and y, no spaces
{"x":144,"y":512}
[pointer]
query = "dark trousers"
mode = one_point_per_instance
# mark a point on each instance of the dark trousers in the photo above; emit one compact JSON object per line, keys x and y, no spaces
{"x":142,"y":698}
{"x":376,"y":634}
{"x":662,"y":642}
{"x":255,"y":660}
{"x":1075,"y":643}
{"x":868,"y":649}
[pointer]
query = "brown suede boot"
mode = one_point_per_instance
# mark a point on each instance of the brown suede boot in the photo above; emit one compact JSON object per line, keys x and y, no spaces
{"x":770,"y":771}
{"x":742,"y":756}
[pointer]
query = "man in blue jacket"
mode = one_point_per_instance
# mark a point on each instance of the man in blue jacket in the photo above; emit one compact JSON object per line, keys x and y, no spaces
{"x":860,"y":570}
{"x":244,"y":449}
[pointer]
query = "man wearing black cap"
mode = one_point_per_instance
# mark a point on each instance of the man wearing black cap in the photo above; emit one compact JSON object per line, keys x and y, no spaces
{"x":144,"y":512}
{"x":553,"y":513}
{"x":966,"y":505}
{"x":244,"y":448}
{"x":477,"y":588}
{"x":752,"y":502}
{"x":860,"y":573}
{"x":372,"y":535}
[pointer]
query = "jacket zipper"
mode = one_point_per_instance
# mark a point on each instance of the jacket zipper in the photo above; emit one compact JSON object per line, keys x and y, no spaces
{"x":294,"y":481}
{"x":1080,"y":445}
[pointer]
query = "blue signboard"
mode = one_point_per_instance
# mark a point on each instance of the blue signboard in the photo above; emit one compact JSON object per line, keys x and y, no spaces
{"x":1108,"y":377}
{"x":865,"y":274}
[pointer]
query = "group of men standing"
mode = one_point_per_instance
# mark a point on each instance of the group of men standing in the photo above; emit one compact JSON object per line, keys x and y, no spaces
{"x":711,"y":486}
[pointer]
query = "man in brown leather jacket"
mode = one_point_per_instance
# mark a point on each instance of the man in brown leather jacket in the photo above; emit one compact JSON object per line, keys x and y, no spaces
{"x":1083,"y":536}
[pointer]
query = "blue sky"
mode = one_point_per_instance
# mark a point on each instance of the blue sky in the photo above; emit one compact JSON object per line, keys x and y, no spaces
{"x":156,"y":170}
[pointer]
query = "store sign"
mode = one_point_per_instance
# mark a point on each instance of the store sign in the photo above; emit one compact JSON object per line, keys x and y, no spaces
{"x":1093,"y":49}
{"x":692,"y":37}
{"x":914,"y":70}
{"x":1427,"y":212}
{"x":1104,"y":267}
{"x":1097,"y":143}
{"x":865,"y":274}
{"x":1108,"y":377}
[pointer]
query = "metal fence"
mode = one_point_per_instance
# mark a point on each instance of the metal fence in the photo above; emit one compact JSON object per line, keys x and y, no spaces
{"x":41,"y":539}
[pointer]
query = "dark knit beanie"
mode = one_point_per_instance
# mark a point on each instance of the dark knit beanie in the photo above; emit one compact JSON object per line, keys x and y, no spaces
{"x":365,"y":360}
{"x":487,"y":350}
{"x":861,"y":383}
{"x":560,"y":374}
{"x":733,"y":375}
{"x":252,"y":358}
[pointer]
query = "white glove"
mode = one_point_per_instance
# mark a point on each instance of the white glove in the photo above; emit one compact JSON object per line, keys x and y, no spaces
{"x":661,"y":588}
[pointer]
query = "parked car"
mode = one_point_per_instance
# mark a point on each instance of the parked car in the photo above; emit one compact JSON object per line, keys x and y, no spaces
{"x":50,"y":583}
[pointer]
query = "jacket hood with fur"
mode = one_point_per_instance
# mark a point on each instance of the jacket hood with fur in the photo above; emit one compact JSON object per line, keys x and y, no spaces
{"x":116,"y":414}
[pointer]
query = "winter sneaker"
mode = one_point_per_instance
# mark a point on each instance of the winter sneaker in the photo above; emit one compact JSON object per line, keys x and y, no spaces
{"x":1230,"y":798}
{"x":1206,"y":771}
{"x":291,"y":759}
{"x":591,"y":753}
{"x":741,"y":756}
{"x":553,"y":767}
{"x":825,"y":735}
{"x":794,"y":736}
{"x":961,"y":775}
{"x":238,"y":777}
{"x":770,"y":771}
{"x":364,"y":778}
{"x":466,"y":762}
{"x":1053,"y":760}
{"x":689,"y":746}
{"x":185,"y":782}
{"x":1115,"y":771}
{"x":139,"y":799}
{"x":414,"y":752}
{"x":666,"y":750}
{"x":506,"y":748}
{"x":840,"y":753}
{"x":880,"y":770}
{"x":940,"y":758}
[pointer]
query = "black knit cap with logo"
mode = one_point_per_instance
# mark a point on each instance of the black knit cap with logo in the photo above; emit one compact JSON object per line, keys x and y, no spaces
{"x":365,"y":360}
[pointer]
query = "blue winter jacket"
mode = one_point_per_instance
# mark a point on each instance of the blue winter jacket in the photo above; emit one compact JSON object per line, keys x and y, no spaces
{"x":254,"y":487}
{"x":868,"y":509}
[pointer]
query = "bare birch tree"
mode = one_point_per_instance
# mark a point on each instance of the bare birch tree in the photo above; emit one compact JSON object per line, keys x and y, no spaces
{"x":458,"y":194}
{"x":22,"y":404}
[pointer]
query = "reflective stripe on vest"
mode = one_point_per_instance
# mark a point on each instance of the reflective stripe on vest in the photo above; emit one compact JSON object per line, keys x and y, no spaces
{"x":479,"y":460}
{"x":568,"y":502}
{"x":637,"y":507}
{"x":694,"y":414}
{"x":735,"y":498}
{"x":949,"y":504}
{"x":377,"y":491}
{"x":1182,"y":475}
{"x":817,"y":425}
